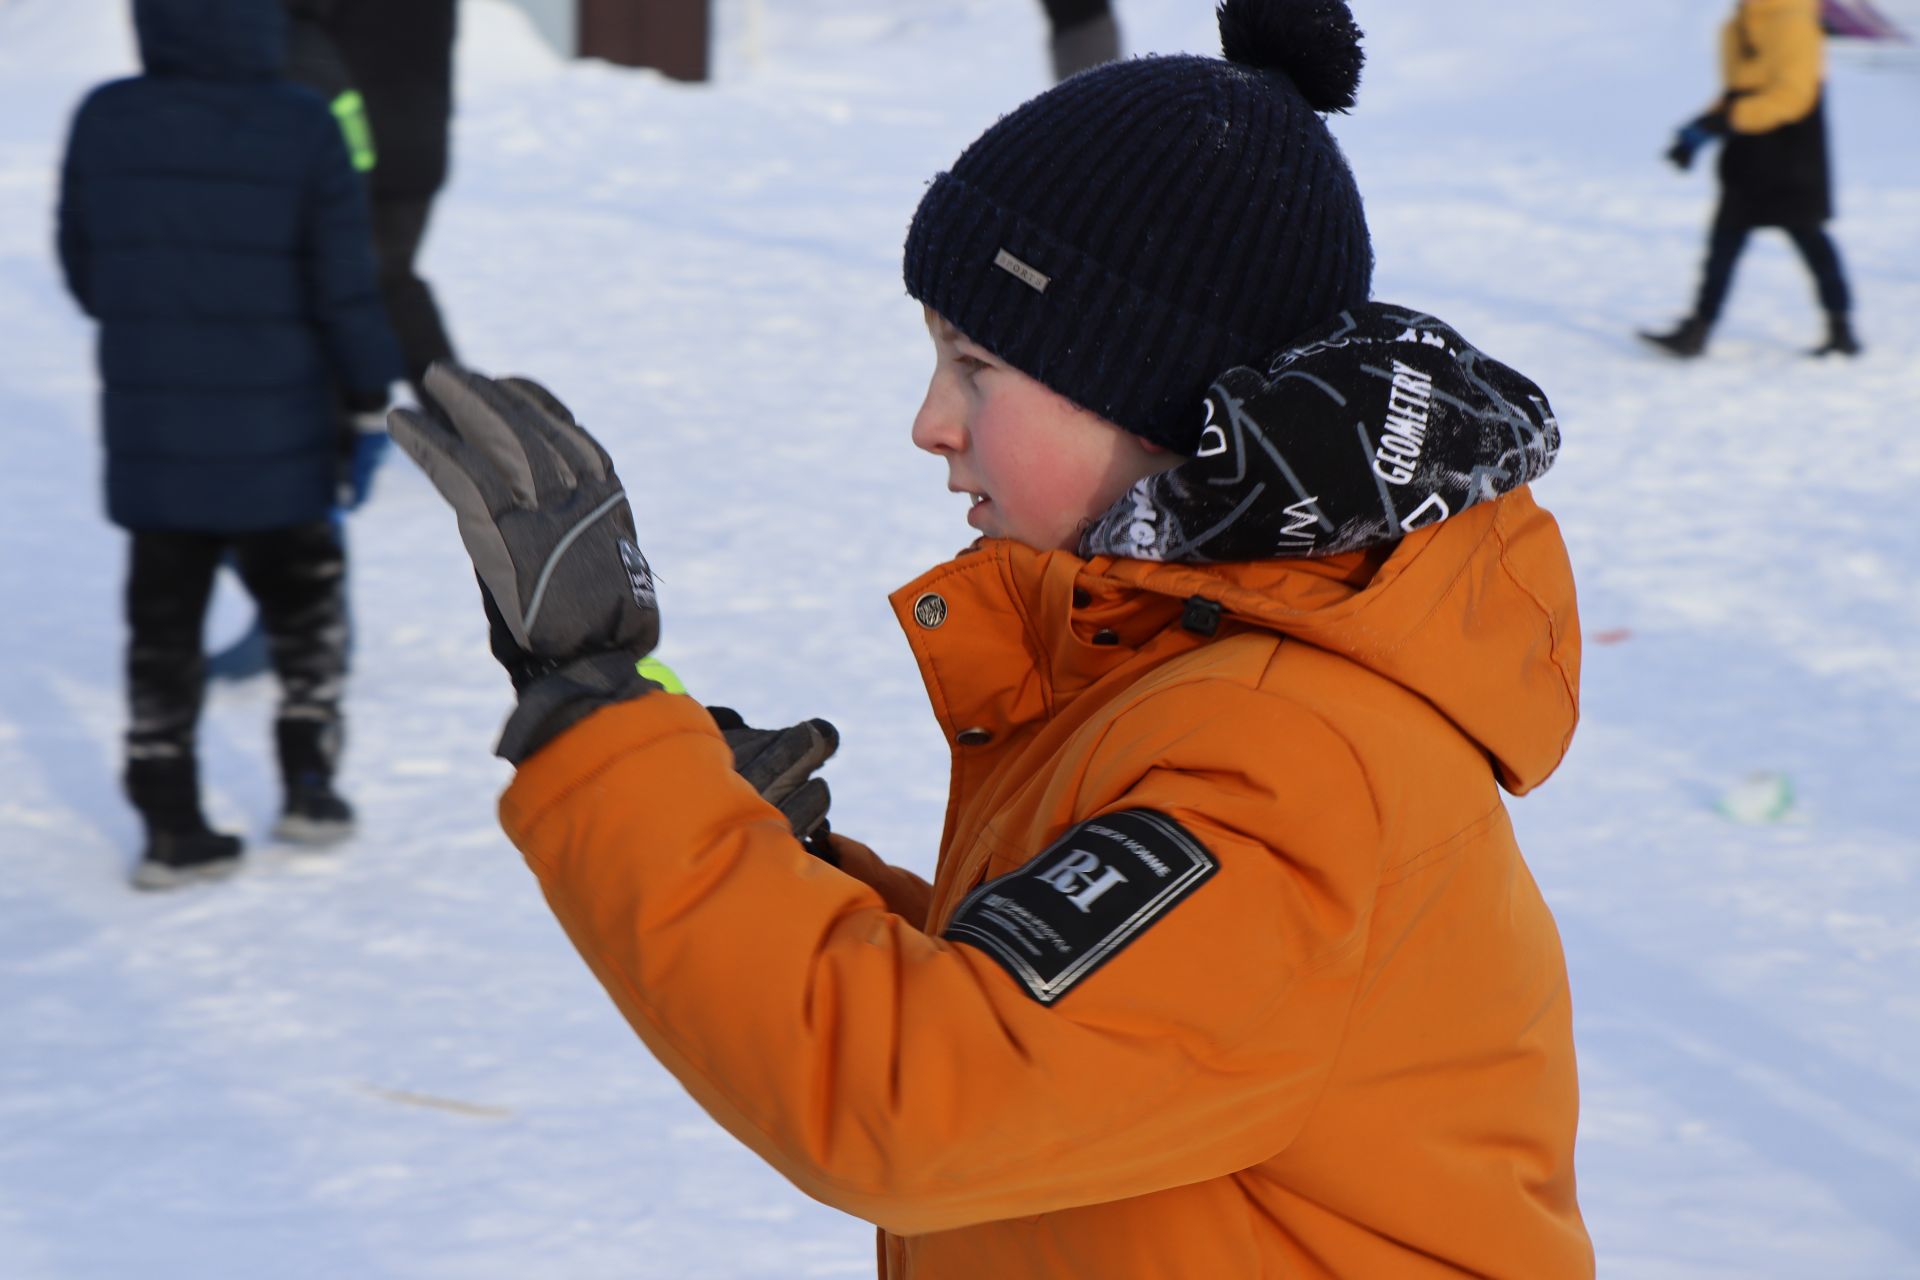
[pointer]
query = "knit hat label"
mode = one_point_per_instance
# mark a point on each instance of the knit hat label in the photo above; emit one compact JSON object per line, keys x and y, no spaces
{"x":1022,"y":272}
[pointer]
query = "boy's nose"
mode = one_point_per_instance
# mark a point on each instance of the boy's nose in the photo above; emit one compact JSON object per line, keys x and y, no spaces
{"x":938,"y":428}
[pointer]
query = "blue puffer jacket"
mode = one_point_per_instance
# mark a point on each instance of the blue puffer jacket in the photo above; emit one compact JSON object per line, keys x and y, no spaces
{"x":211,"y":221}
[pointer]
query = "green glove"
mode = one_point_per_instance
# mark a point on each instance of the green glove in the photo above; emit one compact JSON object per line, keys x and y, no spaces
{"x":569,"y":596}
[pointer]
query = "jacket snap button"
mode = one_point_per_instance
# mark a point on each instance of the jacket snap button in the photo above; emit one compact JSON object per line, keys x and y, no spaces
{"x":930,"y":610}
{"x":973,"y":737}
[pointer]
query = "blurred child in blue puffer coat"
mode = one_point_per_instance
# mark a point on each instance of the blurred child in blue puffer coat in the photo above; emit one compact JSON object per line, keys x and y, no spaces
{"x":211,"y":221}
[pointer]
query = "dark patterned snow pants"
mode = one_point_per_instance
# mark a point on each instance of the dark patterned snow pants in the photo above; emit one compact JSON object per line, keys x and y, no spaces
{"x":296,"y":575}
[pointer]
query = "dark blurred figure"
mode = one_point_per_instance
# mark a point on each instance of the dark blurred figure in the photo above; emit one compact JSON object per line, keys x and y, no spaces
{"x":1084,"y":35}
{"x":1773,"y":164}
{"x":399,"y":56}
{"x":210,"y":220}
{"x":314,"y":59}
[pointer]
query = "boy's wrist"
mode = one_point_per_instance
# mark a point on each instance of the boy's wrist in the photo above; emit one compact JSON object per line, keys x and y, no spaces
{"x":555,"y":700}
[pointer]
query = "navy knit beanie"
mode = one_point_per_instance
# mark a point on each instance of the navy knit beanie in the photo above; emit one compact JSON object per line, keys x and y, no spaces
{"x":1142,"y":227}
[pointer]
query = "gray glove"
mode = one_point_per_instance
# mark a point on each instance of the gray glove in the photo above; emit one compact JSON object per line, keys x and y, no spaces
{"x":780,"y":763}
{"x":569,"y":596}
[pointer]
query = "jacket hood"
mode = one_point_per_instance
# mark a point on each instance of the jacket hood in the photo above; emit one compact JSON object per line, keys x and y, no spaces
{"x":1476,"y":615}
{"x":212,"y":39}
{"x":1339,"y":498}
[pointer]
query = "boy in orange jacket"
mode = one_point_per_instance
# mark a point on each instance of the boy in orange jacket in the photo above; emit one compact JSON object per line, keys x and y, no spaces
{"x":1231,"y":965}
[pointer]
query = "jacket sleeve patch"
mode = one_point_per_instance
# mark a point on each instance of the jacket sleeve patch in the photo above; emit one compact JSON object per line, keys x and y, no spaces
{"x":1076,"y":906}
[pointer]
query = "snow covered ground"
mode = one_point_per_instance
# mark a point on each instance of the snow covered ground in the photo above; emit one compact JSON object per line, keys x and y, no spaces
{"x":388,"y":1063}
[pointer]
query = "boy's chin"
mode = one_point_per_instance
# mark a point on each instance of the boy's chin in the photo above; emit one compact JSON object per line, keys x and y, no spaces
{"x":985,"y":518}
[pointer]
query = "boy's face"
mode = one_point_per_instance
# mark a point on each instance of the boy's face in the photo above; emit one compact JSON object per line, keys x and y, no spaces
{"x":1037,"y":466}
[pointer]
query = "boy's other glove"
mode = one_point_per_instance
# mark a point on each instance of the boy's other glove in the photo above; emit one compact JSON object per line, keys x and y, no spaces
{"x":365,"y":449}
{"x":569,"y":597}
{"x":1694,"y":135}
{"x":780,"y":764}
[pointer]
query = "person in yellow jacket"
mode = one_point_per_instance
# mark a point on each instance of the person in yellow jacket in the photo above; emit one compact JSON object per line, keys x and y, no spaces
{"x":1773,"y":164}
{"x":1231,"y":965}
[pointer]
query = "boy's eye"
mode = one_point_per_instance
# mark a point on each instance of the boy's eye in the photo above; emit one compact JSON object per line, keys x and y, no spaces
{"x":972,"y":364}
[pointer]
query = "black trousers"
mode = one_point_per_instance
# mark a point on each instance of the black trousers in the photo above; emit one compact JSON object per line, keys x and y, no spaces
{"x":297,"y":577}
{"x":399,"y":224}
{"x":1729,"y":239}
{"x":1063,"y":15}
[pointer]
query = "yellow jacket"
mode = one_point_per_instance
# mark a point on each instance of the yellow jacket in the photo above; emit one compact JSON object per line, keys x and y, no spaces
{"x":1338,"y":1041}
{"x":1772,"y":57}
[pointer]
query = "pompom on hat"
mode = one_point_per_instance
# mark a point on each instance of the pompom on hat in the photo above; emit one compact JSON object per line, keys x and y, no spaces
{"x":1134,"y":231}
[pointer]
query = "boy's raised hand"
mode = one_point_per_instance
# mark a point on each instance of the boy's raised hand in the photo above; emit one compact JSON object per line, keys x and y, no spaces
{"x":569,"y":598}
{"x":546,"y":521}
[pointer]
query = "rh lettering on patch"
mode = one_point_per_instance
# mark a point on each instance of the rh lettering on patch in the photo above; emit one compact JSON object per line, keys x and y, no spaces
{"x":1079,"y":904}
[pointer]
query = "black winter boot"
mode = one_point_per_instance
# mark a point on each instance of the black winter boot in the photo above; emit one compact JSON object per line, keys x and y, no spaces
{"x":181,"y":847}
{"x":315,"y":814}
{"x":1840,"y":339}
{"x":1685,"y":342}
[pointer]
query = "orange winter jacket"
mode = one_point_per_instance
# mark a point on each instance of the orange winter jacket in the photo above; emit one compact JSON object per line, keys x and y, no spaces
{"x":1333,"y":1039}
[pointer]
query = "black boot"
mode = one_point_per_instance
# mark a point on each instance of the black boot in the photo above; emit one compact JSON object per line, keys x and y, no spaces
{"x":181,"y":847}
{"x":1840,"y":339}
{"x":1685,"y":342}
{"x":315,"y":814}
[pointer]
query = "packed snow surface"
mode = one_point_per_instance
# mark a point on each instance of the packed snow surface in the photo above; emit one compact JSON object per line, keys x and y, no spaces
{"x":388,"y":1062}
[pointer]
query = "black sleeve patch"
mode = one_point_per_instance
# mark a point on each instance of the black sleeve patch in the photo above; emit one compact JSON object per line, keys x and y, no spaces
{"x":1073,"y":908}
